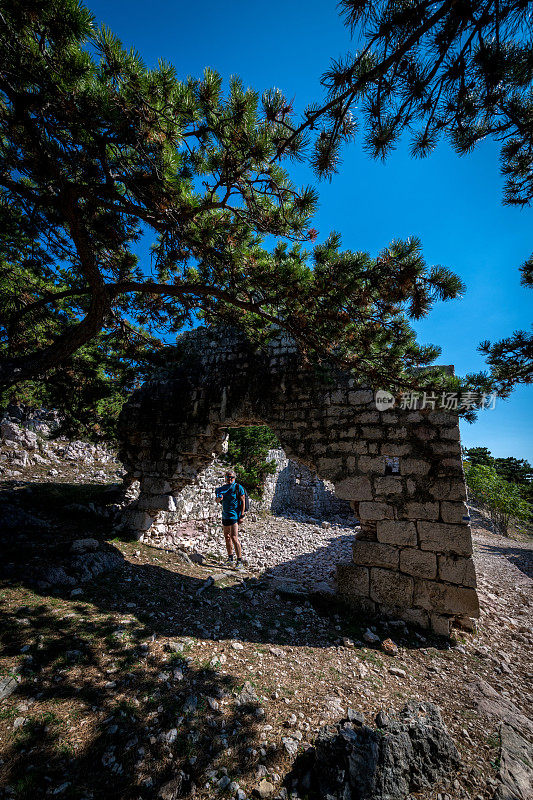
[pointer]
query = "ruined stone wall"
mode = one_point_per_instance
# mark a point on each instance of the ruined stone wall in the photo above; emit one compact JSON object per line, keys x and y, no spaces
{"x":293,"y":487}
{"x":413,"y":556}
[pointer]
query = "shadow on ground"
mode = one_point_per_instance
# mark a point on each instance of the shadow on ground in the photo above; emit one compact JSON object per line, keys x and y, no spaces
{"x":149,"y":729}
{"x":519,"y":556}
{"x":150,"y":723}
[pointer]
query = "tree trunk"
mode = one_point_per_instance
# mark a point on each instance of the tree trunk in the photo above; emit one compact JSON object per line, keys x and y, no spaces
{"x":15,"y":370}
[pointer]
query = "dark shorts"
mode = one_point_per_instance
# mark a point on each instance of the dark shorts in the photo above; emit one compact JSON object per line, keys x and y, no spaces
{"x":229,"y":521}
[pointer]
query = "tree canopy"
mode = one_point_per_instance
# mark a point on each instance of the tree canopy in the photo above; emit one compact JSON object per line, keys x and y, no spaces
{"x":455,"y":69}
{"x":99,"y":153}
{"x":460,"y":69}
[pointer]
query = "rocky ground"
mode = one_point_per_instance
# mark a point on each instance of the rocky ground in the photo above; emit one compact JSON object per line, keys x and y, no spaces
{"x":293,"y":546}
{"x":141,"y":674}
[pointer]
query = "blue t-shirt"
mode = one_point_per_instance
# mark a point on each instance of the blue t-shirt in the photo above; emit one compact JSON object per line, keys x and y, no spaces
{"x":231,"y":494}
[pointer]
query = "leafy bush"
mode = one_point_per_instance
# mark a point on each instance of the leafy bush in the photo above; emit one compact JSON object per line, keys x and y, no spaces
{"x":502,"y":499}
{"x":247,"y":451}
{"x":513,"y":470}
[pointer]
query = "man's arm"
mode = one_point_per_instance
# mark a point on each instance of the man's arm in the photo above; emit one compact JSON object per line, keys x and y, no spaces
{"x":243,"y":503}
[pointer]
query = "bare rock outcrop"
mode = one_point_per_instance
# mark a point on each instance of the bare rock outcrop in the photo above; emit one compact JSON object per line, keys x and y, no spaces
{"x":408,"y":751}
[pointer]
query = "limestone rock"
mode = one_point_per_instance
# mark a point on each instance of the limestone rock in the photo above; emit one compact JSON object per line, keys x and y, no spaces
{"x":516,"y":766}
{"x":390,"y":647}
{"x":7,"y":687}
{"x":370,"y":637}
{"x":265,"y":789}
{"x":409,"y":753}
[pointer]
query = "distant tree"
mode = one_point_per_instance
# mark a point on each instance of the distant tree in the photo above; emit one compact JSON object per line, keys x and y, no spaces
{"x":98,"y":152}
{"x":247,"y":451}
{"x":502,"y":499}
{"x":515,"y":470}
{"x":479,"y":455}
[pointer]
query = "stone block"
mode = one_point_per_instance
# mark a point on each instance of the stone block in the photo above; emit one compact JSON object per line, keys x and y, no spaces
{"x":359,"y":397}
{"x":391,"y":588}
{"x":451,"y":466}
{"x":155,"y":485}
{"x":370,"y":416}
{"x":442,"y":598}
{"x":393,"y":449}
{"x":453,"y":512}
{"x":441,"y":418}
{"x":457,"y":569}
{"x":424,"y":432}
{"x":372,"y":465}
{"x":398,"y":532}
{"x":414,"y":466}
{"x":443,"y":538}
{"x":441,"y":625}
{"x":156,"y":502}
{"x":338,"y":396}
{"x":356,"y":488}
{"x":371,"y":432}
{"x":450,"y":433}
{"x":137,"y":520}
{"x":397,"y":433}
{"x":353,"y":579}
{"x":419,"y":563}
{"x":444,"y":448}
{"x":329,"y":468}
{"x":389,"y":484}
{"x":415,"y":616}
{"x":375,"y":554}
{"x":360,"y":604}
{"x":376,"y":511}
{"x":422,"y":511}
{"x":448,"y":489}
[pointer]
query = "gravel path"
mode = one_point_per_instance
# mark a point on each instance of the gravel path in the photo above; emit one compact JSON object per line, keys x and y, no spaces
{"x":292,"y":547}
{"x":302,"y":549}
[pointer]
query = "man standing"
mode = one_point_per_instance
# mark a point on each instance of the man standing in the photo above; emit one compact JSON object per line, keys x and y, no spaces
{"x":232,"y":497}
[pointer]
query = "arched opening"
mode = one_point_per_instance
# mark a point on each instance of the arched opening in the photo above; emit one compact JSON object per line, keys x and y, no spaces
{"x":401,"y":470}
{"x":297,"y":529}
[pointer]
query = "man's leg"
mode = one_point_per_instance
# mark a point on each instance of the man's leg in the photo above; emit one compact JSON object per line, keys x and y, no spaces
{"x":235,"y":540}
{"x":228,"y":539}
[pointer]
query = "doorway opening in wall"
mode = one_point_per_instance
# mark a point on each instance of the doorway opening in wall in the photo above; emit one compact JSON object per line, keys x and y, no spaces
{"x":276,"y":483}
{"x":297,"y":530}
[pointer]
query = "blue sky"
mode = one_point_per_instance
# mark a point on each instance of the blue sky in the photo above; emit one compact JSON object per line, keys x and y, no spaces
{"x":453,"y":204}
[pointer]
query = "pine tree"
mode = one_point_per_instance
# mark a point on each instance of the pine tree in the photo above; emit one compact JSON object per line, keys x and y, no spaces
{"x":98,"y":151}
{"x":459,"y":69}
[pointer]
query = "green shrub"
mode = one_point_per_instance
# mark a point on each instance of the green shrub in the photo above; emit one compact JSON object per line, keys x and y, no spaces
{"x":502,"y":499}
{"x":247,"y":451}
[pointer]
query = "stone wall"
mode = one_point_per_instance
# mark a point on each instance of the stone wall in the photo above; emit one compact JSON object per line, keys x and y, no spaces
{"x":294,"y":487}
{"x":413,"y":557}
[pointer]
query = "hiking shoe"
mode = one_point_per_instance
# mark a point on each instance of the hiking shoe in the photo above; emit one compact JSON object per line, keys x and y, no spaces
{"x":229,"y":560}
{"x":239,"y":564}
